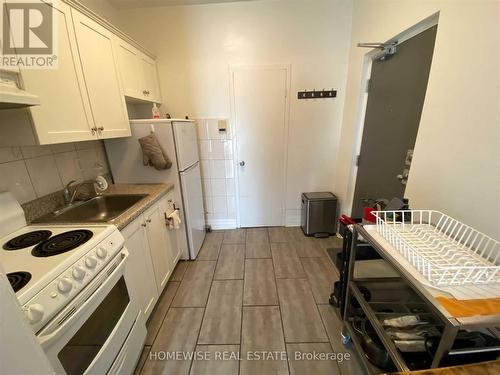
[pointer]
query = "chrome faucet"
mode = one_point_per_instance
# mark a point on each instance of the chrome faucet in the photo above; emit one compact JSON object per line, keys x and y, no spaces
{"x":70,"y":198}
{"x":67,"y":193}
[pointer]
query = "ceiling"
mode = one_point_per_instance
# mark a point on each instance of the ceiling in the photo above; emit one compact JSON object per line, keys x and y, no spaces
{"x":130,"y":4}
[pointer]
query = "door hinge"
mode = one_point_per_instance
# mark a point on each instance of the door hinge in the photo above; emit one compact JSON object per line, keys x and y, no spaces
{"x":357,"y":160}
{"x":368,"y":83}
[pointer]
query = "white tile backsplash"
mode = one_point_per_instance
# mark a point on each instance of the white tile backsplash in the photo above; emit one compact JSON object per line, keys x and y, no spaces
{"x":15,"y":178}
{"x":34,"y":171}
{"x":67,"y":165}
{"x":218,"y":169}
{"x":201,"y":125}
{"x":230,"y":188}
{"x":62,"y":147}
{"x":231,"y":206}
{"x":44,"y":175}
{"x":228,"y":149}
{"x":205,"y":169}
{"x":229,"y":168}
{"x":216,"y":154}
{"x":35,"y":151}
{"x":216,"y":149}
{"x":219,"y":187}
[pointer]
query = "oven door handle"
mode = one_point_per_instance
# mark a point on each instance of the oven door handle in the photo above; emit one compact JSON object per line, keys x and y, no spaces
{"x":46,"y":340}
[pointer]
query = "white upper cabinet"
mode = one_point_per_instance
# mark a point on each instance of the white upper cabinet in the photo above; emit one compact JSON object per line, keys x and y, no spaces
{"x":95,"y":46}
{"x":64,"y":112}
{"x":129,"y":63}
{"x":138,"y":73}
{"x":152,"y":88}
{"x":84,"y":97}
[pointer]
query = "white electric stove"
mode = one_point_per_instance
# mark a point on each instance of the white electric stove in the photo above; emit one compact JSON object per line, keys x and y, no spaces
{"x":70,"y":283}
{"x":48,"y":265}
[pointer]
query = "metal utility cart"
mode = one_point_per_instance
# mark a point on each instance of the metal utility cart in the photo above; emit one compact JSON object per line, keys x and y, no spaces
{"x":404,"y":293}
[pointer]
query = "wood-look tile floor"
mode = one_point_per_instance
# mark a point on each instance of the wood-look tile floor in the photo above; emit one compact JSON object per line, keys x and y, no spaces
{"x":254,"y":302}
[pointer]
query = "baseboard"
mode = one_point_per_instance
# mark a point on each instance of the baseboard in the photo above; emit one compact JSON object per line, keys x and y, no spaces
{"x":292,"y":218}
{"x":222,"y":224}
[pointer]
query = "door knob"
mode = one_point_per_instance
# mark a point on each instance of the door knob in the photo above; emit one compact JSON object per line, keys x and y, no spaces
{"x":242,"y":163}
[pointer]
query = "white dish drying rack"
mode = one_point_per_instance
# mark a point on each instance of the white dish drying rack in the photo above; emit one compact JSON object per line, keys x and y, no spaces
{"x":444,"y":250}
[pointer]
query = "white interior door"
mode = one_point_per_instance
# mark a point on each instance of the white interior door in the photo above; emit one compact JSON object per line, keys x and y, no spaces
{"x":260,"y":118}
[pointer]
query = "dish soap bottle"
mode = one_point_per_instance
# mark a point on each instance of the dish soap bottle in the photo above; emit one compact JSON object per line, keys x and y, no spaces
{"x":155,"y":111}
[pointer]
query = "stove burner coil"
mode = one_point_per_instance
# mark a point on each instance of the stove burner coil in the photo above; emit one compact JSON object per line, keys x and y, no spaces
{"x":18,"y":280}
{"x":61,"y":243}
{"x":27,"y":240}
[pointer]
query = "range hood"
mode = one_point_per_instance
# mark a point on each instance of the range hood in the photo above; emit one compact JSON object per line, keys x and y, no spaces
{"x":11,"y":96}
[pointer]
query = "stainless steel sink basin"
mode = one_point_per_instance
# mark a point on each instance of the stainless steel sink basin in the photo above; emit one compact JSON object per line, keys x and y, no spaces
{"x":96,"y":210}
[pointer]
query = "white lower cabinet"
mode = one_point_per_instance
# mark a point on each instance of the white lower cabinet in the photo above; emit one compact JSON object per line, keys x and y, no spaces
{"x":153,"y":253}
{"x":140,"y":267}
{"x":158,"y":245}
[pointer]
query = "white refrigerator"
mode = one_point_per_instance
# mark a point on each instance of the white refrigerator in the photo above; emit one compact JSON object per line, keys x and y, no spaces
{"x":179,"y":141}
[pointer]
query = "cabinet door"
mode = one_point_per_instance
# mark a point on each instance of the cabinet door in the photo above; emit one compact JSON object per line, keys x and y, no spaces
{"x":166,"y":207}
{"x":150,"y":76}
{"x":64,"y":114}
{"x":155,"y":227}
{"x":100,"y":71}
{"x":139,"y":272}
{"x":130,"y":69}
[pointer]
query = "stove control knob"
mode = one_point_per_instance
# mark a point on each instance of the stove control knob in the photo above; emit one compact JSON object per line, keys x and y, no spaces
{"x":90,"y":262}
{"x":101,"y":252}
{"x":78,"y":273}
{"x":34,"y":313}
{"x":64,"y":285}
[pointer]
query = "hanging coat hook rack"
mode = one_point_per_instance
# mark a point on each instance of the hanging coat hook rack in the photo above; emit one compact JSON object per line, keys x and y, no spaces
{"x":317,"y":94}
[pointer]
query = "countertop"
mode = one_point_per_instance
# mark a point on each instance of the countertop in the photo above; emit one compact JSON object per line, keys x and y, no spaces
{"x":154,"y":191}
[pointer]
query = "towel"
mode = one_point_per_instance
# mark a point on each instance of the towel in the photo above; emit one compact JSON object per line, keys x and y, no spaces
{"x":174,"y":220}
{"x":466,"y":308}
{"x":152,"y":153}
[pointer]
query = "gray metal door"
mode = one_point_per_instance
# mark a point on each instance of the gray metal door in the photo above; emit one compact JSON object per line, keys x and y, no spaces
{"x":395,"y":98}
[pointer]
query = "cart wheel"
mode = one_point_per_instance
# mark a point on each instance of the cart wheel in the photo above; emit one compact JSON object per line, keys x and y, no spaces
{"x":345,"y":338}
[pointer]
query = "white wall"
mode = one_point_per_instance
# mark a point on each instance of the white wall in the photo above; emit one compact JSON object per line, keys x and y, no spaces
{"x":456,"y":165}
{"x":196,"y":45}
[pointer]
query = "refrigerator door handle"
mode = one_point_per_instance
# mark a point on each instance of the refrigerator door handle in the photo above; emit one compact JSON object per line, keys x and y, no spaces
{"x":189,"y":168}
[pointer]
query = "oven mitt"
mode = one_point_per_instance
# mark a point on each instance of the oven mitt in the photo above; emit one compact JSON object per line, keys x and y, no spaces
{"x":152,"y":153}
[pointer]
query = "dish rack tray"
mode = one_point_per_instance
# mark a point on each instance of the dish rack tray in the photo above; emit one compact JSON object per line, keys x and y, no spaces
{"x":444,"y":250}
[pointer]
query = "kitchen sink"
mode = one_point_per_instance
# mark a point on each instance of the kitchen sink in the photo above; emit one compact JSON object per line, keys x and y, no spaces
{"x":99,"y":209}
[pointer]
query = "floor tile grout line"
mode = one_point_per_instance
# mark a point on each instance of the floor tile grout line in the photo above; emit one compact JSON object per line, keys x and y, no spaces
{"x":242,"y":298}
{"x":204,"y":312}
{"x":281,"y":315}
{"x":166,"y":312}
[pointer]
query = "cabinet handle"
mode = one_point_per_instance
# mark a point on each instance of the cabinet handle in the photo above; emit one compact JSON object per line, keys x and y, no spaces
{"x":144,"y":92}
{"x":93,"y":130}
{"x":143,"y":224}
{"x":148,"y":220}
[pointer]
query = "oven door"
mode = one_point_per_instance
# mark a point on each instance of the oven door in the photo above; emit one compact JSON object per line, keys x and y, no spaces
{"x":87,"y":335}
